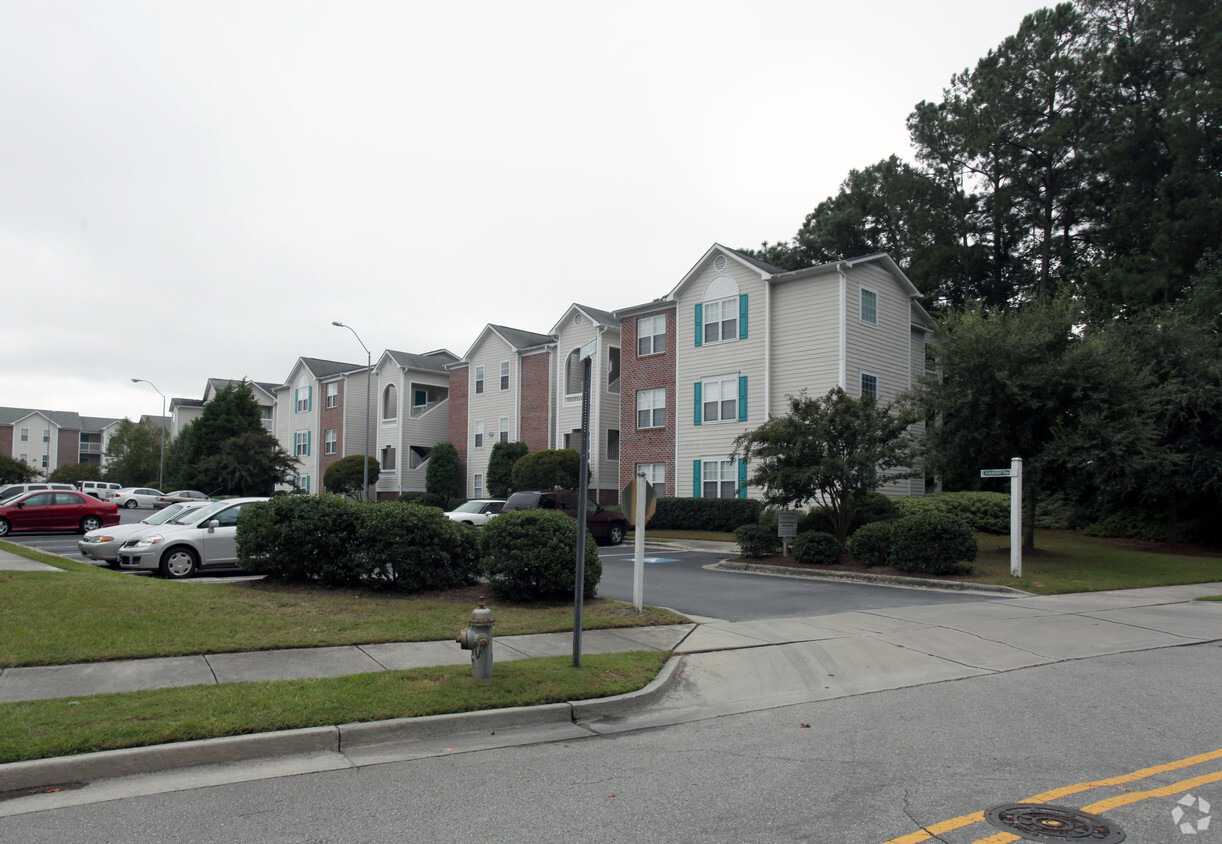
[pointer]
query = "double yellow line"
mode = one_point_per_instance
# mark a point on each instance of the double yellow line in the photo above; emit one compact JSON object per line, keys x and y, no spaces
{"x":1094,"y":808}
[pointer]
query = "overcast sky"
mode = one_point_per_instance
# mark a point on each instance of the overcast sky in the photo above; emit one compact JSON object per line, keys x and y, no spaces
{"x":196,"y":190}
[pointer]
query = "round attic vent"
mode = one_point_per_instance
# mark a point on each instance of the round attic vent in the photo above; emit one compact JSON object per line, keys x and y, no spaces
{"x":577,"y":319}
{"x":719,"y":263}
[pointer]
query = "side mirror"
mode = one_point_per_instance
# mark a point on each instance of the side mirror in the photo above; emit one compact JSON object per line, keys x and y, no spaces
{"x":213,"y":525}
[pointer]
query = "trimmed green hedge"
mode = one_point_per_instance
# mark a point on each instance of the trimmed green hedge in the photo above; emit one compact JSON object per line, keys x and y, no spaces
{"x":934,"y":543}
{"x":335,"y":541}
{"x":720,"y":514}
{"x":817,"y":548}
{"x":531,"y":555}
{"x":757,"y":540}
{"x":987,"y":512}
{"x":870,"y":545}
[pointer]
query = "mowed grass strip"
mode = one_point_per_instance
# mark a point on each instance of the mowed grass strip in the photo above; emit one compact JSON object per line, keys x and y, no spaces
{"x":69,"y":726}
{"x":89,"y":614}
{"x":1073,"y":562}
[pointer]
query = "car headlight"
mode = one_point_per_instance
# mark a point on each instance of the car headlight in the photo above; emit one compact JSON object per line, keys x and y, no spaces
{"x":99,"y":539}
{"x":146,"y":541}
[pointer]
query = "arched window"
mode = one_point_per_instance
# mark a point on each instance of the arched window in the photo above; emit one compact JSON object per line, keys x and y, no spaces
{"x":390,"y":404}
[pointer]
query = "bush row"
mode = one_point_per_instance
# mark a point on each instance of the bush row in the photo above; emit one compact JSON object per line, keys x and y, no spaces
{"x":987,"y":512}
{"x":335,"y":541}
{"x":720,"y":514}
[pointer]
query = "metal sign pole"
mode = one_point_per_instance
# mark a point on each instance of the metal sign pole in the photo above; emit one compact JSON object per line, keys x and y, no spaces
{"x":583,"y":490}
{"x":1016,"y":517}
{"x":638,"y":542}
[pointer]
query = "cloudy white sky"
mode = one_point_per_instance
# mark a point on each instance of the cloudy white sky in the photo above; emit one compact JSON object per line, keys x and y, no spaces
{"x":196,"y":190}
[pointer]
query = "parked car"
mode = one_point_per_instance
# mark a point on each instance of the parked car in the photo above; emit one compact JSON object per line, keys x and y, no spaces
{"x":13,"y":490}
{"x":603,"y":525}
{"x":181,"y":496}
{"x":103,"y":544}
{"x":205,"y":539}
{"x":101,"y":490}
{"x":132,"y":497}
{"x":476,"y":511}
{"x":56,"y":510}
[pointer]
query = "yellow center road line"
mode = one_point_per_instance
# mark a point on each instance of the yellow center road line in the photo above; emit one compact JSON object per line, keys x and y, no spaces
{"x":1165,"y":791}
{"x":976,"y":817}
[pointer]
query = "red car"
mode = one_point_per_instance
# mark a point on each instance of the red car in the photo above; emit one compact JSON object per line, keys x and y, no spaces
{"x":56,"y":511}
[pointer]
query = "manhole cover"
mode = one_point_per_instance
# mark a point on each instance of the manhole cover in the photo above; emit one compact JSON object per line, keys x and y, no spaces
{"x":1042,"y":822}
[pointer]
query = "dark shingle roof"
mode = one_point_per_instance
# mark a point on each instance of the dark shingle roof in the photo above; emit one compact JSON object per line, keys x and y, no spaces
{"x":520,"y":339}
{"x":431,"y":363}
{"x":326,"y":368}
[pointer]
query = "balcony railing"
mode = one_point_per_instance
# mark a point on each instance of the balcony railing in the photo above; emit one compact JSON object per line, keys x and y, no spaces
{"x":419,"y":410}
{"x":91,"y":448}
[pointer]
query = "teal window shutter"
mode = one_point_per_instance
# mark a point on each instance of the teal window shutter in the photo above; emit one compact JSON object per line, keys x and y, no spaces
{"x":699,"y":323}
{"x":695,"y":479}
{"x":310,"y":397}
{"x":308,"y":435}
{"x":742,"y":398}
{"x":742,"y":478}
{"x":296,"y":393}
{"x":307,"y":480}
{"x":742,"y":317}
{"x":696,"y":392}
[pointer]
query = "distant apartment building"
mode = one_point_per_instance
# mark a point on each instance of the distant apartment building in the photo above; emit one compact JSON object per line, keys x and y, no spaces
{"x":320,"y":404}
{"x":49,"y":439}
{"x":412,"y":416}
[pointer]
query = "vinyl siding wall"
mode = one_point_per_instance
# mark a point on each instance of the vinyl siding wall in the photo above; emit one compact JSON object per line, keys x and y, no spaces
{"x":604,"y":405}
{"x":492,"y":404}
{"x":805,"y":338}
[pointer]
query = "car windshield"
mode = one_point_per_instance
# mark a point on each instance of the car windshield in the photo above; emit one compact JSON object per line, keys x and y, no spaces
{"x":197,"y":513}
{"x":469,"y":507}
{"x":164,"y":515}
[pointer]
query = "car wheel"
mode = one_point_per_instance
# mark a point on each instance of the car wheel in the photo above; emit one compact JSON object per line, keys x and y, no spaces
{"x":90,"y":523}
{"x":616,"y":534}
{"x":131,"y":504}
{"x":178,"y":563}
{"x":4,"y":527}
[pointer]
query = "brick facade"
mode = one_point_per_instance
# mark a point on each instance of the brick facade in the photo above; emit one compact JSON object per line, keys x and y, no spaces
{"x":535,"y":422}
{"x":69,"y":447}
{"x":646,"y":445}
{"x":459,"y":388}
{"x":333,"y":417}
{"x":6,"y":441}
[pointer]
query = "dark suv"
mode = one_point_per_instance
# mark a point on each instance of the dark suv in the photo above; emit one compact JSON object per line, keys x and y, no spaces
{"x":603,"y":525}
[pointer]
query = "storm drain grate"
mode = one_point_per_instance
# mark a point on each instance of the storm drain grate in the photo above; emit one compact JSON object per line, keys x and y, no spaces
{"x":1043,"y":822}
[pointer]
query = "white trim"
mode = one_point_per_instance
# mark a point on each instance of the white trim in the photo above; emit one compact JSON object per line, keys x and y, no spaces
{"x":842,"y":373}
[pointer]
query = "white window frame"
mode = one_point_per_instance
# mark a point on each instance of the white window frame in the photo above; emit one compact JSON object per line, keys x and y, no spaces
{"x":46,"y":435}
{"x":479,"y":433}
{"x":721,"y":483}
{"x":872,"y":380}
{"x":301,"y":444}
{"x":25,"y":435}
{"x":504,"y":433}
{"x":653,"y":402}
{"x":716,"y":384}
{"x":720,"y":305}
{"x":655,"y":473}
{"x":477,"y":486}
{"x":332,"y":394}
{"x":390,"y":404}
{"x":504,"y":375}
{"x":330,"y":441}
{"x":651,"y":335}
{"x":391,"y":464}
{"x":479,"y":380}
{"x":869,"y":316}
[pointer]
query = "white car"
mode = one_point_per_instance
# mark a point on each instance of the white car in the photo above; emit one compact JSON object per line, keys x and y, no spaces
{"x":205,"y":538}
{"x":103,"y":544}
{"x":136,"y":496}
{"x":477,"y":511}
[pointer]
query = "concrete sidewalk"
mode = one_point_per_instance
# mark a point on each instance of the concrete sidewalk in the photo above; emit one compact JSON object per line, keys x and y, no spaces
{"x":720,"y":668}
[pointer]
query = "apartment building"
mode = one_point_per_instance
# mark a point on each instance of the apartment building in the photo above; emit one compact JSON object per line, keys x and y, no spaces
{"x":413,"y":394}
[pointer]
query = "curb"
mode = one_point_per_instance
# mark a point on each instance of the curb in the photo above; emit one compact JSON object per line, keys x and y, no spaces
{"x":108,"y":764}
{"x":881,"y":579}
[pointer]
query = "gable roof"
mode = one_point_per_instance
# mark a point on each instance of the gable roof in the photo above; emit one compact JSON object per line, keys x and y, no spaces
{"x":217,"y":384}
{"x":762,"y":268}
{"x":595,"y":315}
{"x":64,"y":419}
{"x":516,"y":338}
{"x":431,"y":362}
{"x":320,"y":369}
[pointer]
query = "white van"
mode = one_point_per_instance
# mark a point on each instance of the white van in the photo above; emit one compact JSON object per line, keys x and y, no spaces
{"x":13,"y":490}
{"x":100,"y":490}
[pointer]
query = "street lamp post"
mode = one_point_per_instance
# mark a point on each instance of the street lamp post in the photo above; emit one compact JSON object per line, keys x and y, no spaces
{"x":368,"y":392}
{"x":161,"y":468}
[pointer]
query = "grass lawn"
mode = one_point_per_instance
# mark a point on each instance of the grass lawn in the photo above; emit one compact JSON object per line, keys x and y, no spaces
{"x":66,"y":726}
{"x":1073,"y":562}
{"x":91,"y":614}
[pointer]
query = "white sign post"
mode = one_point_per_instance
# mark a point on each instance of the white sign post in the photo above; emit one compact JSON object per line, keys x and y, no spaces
{"x":638,"y":542}
{"x":1015,"y":474}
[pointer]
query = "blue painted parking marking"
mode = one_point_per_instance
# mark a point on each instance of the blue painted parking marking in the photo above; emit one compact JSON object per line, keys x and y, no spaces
{"x":654,"y":559}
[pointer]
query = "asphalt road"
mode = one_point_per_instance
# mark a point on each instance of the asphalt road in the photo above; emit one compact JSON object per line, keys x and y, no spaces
{"x":857,"y":770}
{"x":679,"y":581}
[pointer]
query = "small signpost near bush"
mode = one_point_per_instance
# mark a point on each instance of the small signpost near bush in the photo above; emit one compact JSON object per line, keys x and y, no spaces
{"x":1015,"y":474}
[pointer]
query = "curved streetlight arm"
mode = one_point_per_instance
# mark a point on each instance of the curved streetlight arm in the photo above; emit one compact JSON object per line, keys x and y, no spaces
{"x":368,"y":393}
{"x":161,"y":468}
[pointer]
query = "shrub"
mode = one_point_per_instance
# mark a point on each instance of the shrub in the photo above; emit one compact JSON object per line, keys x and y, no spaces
{"x":987,"y":512}
{"x":300,"y":537}
{"x":529,"y":555}
{"x":870,"y":545}
{"x":413,"y":547}
{"x":818,"y":548}
{"x":557,"y":468}
{"x":934,"y":543}
{"x":427,"y":499}
{"x":912,"y":505}
{"x":756,"y":540}
{"x":871,"y":506}
{"x":1128,"y":523}
{"x":720,"y":514}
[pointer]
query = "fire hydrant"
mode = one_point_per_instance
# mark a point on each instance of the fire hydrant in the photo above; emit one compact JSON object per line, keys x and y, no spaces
{"x":478,"y":640}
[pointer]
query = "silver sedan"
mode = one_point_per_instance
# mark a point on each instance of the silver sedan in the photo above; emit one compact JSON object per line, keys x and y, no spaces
{"x":103,"y":544}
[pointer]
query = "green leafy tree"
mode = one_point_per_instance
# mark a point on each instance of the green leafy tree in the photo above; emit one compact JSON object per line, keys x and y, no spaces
{"x":14,"y":471}
{"x":346,"y":476}
{"x":444,"y":474}
{"x":829,"y":451}
{"x":500,"y":467}
{"x":70,"y":473}
{"x":1027,"y":384}
{"x":231,"y":412}
{"x":133,"y":454}
{"x":557,"y":468}
{"x":252,"y":463}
